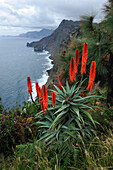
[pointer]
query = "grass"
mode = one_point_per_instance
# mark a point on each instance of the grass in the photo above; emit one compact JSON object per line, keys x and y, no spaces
{"x":98,"y":154}
{"x":95,"y":154}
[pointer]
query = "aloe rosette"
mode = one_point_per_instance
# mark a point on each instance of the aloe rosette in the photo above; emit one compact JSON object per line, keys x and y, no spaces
{"x":69,"y":117}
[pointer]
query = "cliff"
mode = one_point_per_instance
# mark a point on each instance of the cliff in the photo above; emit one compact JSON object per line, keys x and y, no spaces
{"x":52,"y":42}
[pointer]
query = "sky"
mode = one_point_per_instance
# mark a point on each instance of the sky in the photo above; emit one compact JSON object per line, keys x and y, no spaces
{"x":20,"y":16}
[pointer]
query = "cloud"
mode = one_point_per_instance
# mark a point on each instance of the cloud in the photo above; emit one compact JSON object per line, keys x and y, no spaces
{"x":43,"y":13}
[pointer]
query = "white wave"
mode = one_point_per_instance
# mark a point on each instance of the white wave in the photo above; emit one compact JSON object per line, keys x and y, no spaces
{"x":41,"y":82}
{"x":50,"y":65}
{"x":43,"y":52}
{"x":34,"y":94}
{"x":44,"y":78}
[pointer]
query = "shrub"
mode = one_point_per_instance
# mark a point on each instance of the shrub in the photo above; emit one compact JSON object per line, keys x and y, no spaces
{"x":16,"y":127}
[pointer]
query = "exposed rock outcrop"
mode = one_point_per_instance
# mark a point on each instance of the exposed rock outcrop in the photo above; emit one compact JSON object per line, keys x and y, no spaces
{"x":52,"y":43}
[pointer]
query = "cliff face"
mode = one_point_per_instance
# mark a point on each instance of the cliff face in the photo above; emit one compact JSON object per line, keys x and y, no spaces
{"x":52,"y":43}
{"x":76,"y":33}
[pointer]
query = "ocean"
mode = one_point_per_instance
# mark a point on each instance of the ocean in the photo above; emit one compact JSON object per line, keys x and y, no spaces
{"x":17,"y":61}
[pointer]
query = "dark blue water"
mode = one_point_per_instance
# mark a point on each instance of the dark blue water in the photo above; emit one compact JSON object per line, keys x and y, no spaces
{"x":16,"y":63}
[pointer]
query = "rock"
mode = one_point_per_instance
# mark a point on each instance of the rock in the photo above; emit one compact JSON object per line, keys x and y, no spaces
{"x":38,"y":48}
{"x":52,"y":42}
{"x":48,"y":71}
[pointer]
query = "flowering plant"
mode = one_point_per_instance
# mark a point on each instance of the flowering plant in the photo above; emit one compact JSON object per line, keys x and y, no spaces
{"x":69,"y":111}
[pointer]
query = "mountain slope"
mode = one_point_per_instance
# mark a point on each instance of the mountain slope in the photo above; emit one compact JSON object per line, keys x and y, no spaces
{"x":52,"y":42}
{"x":37,"y":34}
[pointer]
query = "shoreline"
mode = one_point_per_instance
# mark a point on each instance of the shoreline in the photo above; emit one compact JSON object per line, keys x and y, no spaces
{"x":45,"y":76}
{"x":52,"y":62}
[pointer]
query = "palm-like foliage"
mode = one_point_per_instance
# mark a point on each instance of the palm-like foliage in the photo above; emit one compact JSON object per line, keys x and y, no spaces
{"x":98,"y":42}
{"x":108,"y":22}
{"x":108,"y":27}
{"x":108,"y":7}
{"x":87,"y":25}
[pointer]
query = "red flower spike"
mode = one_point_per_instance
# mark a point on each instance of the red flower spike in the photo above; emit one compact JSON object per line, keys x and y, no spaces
{"x":45,"y":97}
{"x":72,"y":70}
{"x":92,"y":75}
{"x":40,"y":94}
{"x":76,"y":60}
{"x":29,"y":86}
{"x":53,"y":99}
{"x":84,"y":58}
{"x":37,"y":87}
{"x":42,"y":105}
{"x":60,"y":83}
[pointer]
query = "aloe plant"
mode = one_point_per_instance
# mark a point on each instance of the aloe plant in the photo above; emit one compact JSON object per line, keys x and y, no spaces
{"x":70,"y":117}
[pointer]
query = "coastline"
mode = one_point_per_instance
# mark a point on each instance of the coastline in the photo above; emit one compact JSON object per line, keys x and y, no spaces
{"x":47,"y":71}
{"x":45,"y":76}
{"x":52,"y":62}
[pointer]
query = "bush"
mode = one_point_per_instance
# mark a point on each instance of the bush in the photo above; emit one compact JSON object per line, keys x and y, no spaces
{"x":16,"y":127}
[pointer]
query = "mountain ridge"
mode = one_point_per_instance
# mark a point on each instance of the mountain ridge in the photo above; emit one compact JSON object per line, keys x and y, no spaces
{"x":37,"y":34}
{"x":52,"y":42}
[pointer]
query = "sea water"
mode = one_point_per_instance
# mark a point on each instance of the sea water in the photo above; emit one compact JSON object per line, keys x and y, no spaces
{"x":17,"y":61}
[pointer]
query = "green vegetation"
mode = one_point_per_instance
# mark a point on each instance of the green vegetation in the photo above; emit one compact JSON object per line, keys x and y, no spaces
{"x":80,"y":152}
{"x":69,"y":147}
{"x":77,"y":131}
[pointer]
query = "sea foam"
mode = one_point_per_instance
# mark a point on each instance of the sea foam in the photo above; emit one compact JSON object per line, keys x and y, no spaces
{"x":45,"y":75}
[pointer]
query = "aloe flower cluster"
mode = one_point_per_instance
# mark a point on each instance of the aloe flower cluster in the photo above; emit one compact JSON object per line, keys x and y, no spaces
{"x":76,"y":60}
{"x":84,"y":58}
{"x":42,"y":94}
{"x":53,"y":99}
{"x":60,"y":83}
{"x":74,"y":66}
{"x":72,"y":70}
{"x":29,"y":86}
{"x":92,"y":75}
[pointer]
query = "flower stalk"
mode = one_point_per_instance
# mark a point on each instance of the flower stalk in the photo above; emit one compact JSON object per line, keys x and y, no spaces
{"x":72,"y":70}
{"x":29,"y":85}
{"x":84,"y":58}
{"x":45,"y":97}
{"x":37,"y":88}
{"x":53,"y":99}
{"x":60,"y":83}
{"x":92,"y":75}
{"x":76,"y":60}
